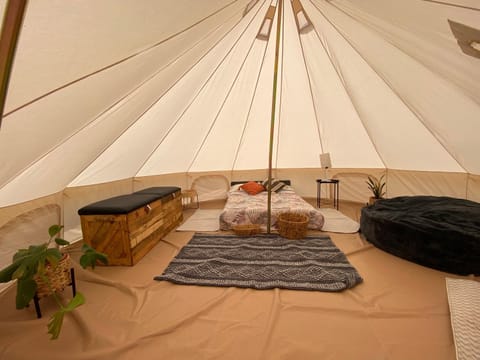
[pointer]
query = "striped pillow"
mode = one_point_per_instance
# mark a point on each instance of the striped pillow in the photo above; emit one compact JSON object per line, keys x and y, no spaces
{"x":276,"y":186}
{"x":265,"y":183}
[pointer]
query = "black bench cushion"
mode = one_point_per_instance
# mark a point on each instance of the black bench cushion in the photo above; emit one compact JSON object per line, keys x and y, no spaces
{"x":439,"y":232}
{"x":122,"y":204}
{"x":162,"y":191}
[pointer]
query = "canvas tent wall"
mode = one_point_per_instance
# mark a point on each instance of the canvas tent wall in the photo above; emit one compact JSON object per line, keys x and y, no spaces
{"x":108,"y":97}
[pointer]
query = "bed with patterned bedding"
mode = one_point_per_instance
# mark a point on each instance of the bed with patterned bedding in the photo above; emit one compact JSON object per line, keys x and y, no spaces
{"x":242,"y":208}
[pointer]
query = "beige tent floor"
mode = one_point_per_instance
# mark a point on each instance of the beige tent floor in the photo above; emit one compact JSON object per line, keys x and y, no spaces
{"x":400,"y":311}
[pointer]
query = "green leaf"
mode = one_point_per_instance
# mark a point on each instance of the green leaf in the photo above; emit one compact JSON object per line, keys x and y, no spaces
{"x":53,"y":256}
{"x":35,"y":260}
{"x":54,"y":252}
{"x":376,"y":186}
{"x":90,"y":258}
{"x":26,"y":289}
{"x":52,"y":260}
{"x":61,"y":241}
{"x":55,"y":324}
{"x":86,"y":247}
{"x":381,"y":192}
{"x":20,"y":272}
{"x":6,"y":274}
{"x":32,"y":250}
{"x":54,"y":230}
{"x":56,"y":321}
{"x":21,"y":253}
{"x":77,"y":300}
{"x":41,"y":267}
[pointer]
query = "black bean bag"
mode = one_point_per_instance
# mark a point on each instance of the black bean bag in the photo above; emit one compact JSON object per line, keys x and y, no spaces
{"x":439,"y":232}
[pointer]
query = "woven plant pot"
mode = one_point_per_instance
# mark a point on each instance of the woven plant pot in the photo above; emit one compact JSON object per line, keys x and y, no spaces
{"x":292,"y":225}
{"x":58,"y":278}
{"x":246,"y":229}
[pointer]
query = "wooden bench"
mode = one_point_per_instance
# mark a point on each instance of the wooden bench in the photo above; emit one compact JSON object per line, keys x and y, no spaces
{"x":127,"y":227}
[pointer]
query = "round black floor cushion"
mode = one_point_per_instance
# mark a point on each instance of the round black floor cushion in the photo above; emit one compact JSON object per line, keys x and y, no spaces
{"x":439,"y":232}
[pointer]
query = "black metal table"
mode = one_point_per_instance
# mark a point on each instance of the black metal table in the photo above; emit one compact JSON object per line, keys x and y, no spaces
{"x":336,"y":190}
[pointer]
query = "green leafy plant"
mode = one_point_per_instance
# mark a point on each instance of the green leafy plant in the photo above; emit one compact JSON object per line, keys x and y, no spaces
{"x":31,"y":263}
{"x":376,"y":186}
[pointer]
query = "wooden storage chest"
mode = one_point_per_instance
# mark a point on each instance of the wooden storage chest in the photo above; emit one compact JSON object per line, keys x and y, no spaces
{"x":127,"y":227}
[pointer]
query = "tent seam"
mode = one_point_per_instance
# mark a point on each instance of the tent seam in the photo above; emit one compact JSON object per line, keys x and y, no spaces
{"x":317,"y":120}
{"x":138,"y":53}
{"x":223,"y":103}
{"x":175,"y":123}
{"x":109,"y":109}
{"x":338,"y":71}
{"x":407,"y":104}
{"x":240,"y":143}
{"x":451,"y":4}
{"x":19,"y":172}
{"x":280,"y":86}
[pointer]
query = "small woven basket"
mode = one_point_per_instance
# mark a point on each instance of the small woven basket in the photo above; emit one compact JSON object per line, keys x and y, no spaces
{"x":246,"y":229}
{"x":58,"y":277}
{"x":292,"y":225}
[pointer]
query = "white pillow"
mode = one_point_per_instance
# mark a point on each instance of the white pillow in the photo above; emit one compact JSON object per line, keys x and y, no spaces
{"x":235,"y":187}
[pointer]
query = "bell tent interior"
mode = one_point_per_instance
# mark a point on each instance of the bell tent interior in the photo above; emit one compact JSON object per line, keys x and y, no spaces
{"x":101,"y":99}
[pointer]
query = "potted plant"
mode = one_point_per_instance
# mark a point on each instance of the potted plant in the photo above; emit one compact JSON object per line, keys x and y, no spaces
{"x":377,"y":187}
{"x":34,"y":268}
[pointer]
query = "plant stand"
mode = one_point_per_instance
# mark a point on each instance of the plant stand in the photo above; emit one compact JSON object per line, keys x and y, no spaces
{"x":36,"y":298}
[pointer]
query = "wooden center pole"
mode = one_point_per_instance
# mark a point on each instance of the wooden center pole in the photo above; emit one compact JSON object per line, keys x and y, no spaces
{"x":272,"y":120}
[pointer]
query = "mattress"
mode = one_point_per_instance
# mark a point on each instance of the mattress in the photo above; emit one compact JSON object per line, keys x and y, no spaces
{"x":242,"y":208}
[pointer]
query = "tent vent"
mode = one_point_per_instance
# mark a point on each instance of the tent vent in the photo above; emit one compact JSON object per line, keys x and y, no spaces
{"x":266,"y":26}
{"x":467,"y":37}
{"x":249,"y":7}
{"x":301,"y":18}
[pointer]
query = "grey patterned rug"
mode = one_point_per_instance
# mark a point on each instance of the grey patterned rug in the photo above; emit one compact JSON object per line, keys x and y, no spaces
{"x":262,"y":262}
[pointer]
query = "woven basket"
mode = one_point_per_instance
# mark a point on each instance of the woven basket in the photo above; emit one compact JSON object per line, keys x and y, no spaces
{"x":58,"y":277}
{"x":246,"y":229}
{"x":292,"y":225}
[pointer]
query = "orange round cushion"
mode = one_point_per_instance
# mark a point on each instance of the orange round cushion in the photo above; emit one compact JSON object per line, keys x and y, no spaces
{"x":252,"y":188}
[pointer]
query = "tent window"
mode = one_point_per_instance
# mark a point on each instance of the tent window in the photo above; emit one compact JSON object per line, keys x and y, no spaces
{"x":301,"y":18}
{"x":467,"y":37}
{"x":264,"y":32}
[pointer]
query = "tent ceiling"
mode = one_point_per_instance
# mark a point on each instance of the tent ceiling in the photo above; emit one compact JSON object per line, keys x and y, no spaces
{"x":147,"y":87}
